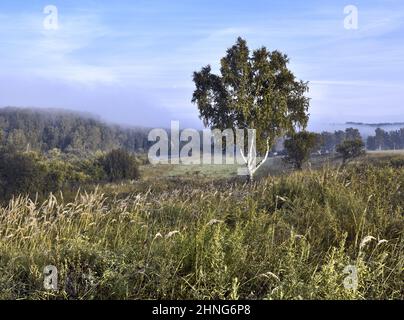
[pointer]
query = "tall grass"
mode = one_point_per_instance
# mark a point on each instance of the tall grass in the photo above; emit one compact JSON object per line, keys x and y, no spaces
{"x":288,"y":237}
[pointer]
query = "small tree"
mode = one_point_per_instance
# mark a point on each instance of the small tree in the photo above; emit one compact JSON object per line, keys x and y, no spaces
{"x":120,"y":165}
{"x":350,"y":149}
{"x":299,"y":146}
{"x":253,"y":91}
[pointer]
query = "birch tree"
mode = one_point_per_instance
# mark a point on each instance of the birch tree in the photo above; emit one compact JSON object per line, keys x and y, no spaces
{"x":253,"y":91}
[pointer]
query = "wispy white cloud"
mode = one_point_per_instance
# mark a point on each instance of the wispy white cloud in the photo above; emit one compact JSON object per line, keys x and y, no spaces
{"x":153,"y":47}
{"x":30,"y":48}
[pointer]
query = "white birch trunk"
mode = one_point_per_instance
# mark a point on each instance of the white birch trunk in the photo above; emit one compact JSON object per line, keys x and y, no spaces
{"x":250,"y":159}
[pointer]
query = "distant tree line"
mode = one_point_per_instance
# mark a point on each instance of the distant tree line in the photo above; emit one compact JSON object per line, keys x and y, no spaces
{"x":39,"y":130}
{"x":298,"y":147}
{"x":74,"y":133}
{"x":330,"y":140}
{"x":383,"y":140}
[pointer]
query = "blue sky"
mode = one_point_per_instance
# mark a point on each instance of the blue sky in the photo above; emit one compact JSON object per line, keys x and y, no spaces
{"x":132,"y":61}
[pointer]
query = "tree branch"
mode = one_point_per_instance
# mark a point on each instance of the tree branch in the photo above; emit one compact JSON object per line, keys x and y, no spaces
{"x":242,"y":155}
{"x":265,"y":158}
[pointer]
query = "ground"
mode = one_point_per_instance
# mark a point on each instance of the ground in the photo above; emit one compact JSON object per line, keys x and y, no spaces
{"x":327,"y":232}
{"x":273,"y":166}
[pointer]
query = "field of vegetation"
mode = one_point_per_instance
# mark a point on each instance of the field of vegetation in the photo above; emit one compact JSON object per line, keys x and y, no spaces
{"x":87,"y":214}
{"x":187,"y":235}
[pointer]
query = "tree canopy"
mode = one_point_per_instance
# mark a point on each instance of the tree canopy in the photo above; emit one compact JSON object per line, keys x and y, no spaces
{"x":298,"y":147}
{"x":350,"y":149}
{"x":253,"y":91}
{"x":43,"y":130}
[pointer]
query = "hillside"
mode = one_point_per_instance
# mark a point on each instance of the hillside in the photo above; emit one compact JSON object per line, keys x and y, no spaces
{"x":46,"y":129}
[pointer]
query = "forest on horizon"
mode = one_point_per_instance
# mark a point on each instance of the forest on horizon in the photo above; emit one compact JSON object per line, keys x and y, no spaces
{"x":75,"y":132}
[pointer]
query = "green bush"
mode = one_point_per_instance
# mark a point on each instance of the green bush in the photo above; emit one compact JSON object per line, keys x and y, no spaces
{"x":120,"y":165}
{"x":31,"y":173}
{"x":21,"y":173}
{"x":350,"y":149}
{"x":298,"y":147}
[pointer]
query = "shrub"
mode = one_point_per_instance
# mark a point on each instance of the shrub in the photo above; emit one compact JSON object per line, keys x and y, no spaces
{"x":120,"y":165}
{"x":20,"y":173}
{"x":31,"y":173}
{"x":299,"y":146}
{"x":350,"y":149}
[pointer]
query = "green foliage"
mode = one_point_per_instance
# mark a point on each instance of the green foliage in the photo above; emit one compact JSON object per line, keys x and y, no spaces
{"x":329,"y":141}
{"x":120,"y":165}
{"x":383,"y":140}
{"x":282,"y":238}
{"x":75,"y":133}
{"x":34,"y":174}
{"x":299,"y":146}
{"x":21,"y":173}
{"x":350,"y":149}
{"x":254,"y":91}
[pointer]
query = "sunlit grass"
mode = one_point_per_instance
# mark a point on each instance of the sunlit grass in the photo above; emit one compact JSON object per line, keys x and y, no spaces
{"x":287,"y":237}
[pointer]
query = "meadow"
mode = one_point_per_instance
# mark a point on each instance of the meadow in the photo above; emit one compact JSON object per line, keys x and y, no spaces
{"x":201,"y":233}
